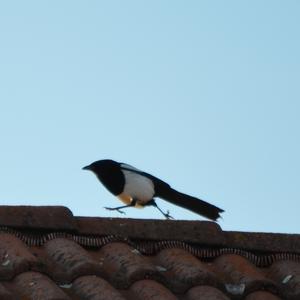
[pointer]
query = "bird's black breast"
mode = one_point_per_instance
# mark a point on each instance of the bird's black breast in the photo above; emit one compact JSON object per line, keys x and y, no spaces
{"x":113,"y":179}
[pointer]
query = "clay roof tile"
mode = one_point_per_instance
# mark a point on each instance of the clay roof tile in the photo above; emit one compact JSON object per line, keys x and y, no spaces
{"x":46,"y":253}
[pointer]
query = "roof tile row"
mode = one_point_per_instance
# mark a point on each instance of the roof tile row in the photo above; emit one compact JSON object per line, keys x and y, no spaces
{"x":123,"y":266}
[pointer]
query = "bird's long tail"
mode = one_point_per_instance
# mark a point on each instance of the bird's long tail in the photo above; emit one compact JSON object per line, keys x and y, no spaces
{"x":191,"y":203}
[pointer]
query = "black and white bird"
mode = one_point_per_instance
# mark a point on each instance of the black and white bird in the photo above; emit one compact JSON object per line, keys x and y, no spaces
{"x":136,"y":188}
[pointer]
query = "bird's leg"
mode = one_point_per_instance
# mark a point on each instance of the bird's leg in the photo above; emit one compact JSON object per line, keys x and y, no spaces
{"x":167,"y":214}
{"x":118,"y":209}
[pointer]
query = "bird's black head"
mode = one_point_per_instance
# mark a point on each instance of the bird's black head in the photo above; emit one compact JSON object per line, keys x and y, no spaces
{"x":102,"y":166}
{"x":109,"y":173}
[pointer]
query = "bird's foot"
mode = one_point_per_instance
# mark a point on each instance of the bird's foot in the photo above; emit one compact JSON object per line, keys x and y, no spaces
{"x":117,"y":209}
{"x":168,"y":216}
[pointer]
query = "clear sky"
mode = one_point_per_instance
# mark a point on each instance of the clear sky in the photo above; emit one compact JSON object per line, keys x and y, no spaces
{"x":203,"y":94}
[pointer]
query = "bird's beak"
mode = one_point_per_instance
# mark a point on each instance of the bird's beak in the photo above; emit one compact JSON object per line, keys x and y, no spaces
{"x":86,"y":167}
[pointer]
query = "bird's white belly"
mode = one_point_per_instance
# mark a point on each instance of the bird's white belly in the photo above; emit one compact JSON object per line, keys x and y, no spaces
{"x":138,"y":187}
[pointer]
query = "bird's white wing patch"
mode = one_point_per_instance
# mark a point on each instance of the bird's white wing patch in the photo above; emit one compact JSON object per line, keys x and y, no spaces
{"x":137,"y":186}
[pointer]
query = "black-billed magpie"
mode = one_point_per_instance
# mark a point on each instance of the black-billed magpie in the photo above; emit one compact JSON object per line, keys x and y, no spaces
{"x":137,"y":188}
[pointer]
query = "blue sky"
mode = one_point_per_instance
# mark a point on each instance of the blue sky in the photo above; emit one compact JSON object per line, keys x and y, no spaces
{"x":203,"y":94}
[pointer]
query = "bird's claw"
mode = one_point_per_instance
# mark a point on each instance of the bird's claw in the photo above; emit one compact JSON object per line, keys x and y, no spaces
{"x":117,"y":209}
{"x":168,"y":216}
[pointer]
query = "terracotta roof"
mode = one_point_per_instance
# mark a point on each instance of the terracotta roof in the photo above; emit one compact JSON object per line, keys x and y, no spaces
{"x":46,"y":253}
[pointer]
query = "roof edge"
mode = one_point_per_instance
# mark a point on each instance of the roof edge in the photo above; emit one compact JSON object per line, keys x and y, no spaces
{"x":204,"y":232}
{"x":37,"y":217}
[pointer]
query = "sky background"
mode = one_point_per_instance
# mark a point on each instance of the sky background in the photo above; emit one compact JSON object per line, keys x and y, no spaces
{"x":203,"y":94}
